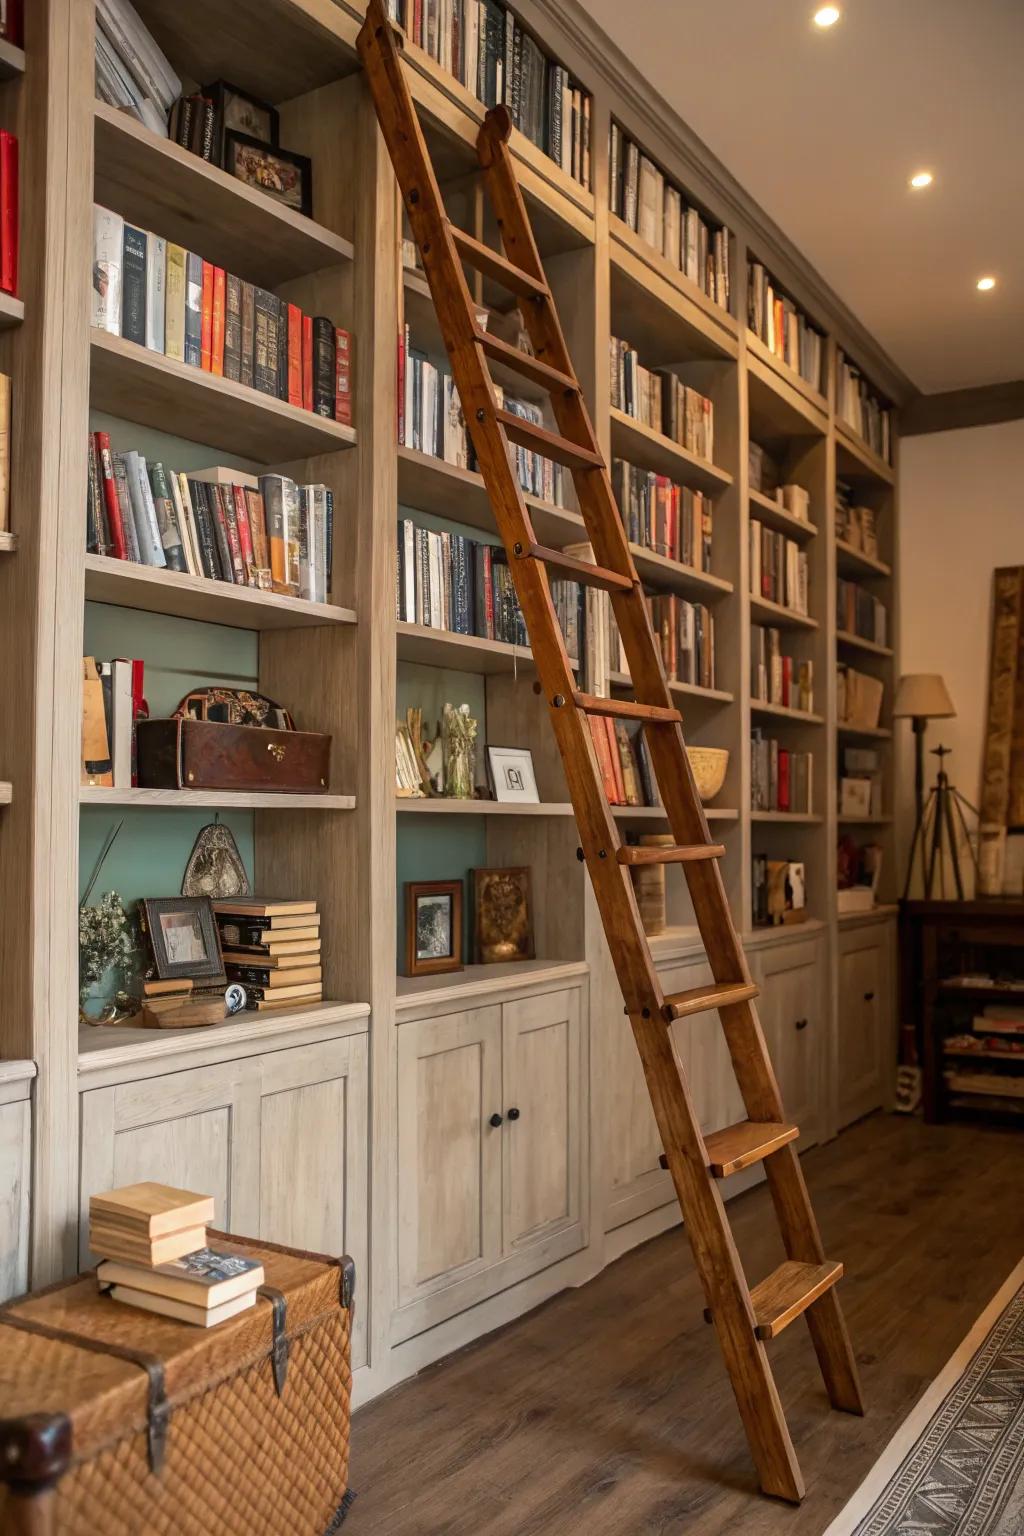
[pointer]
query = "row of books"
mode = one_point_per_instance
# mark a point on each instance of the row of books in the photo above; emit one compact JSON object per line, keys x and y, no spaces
{"x":272,"y":949}
{"x":624,"y":759}
{"x":856,"y":525}
{"x":487,"y":49}
{"x":132,"y":71}
{"x":657,"y":398}
{"x":450,"y":582}
{"x":685,"y":634}
{"x":652,"y":205}
{"x":221,"y":524}
{"x":784,"y":329}
{"x":779,"y":568}
{"x":151,"y":291}
{"x":858,"y":698}
{"x":780,"y":779}
{"x":430,"y":420}
{"x":776,"y":678}
{"x":670,"y":519}
{"x":779,"y":891}
{"x":859,"y":612}
{"x":113,"y":698}
{"x":860,"y":408}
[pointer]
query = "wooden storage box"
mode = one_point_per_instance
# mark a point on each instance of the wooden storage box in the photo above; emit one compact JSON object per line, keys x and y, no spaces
{"x":119,"y":1421}
{"x":205,"y":754}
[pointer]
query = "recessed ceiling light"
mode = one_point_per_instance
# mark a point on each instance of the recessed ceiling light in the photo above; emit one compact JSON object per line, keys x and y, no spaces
{"x":826,"y":16}
{"x":922,"y":179}
{"x":985,"y":284}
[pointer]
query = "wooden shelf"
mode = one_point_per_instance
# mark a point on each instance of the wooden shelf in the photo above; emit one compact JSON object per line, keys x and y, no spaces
{"x":439,"y":807}
{"x":781,"y":402}
{"x":988,"y":1083}
{"x":445,"y":490}
{"x":769,"y":511}
{"x":955,"y":984}
{"x":868,"y":732}
{"x":160,"y":186}
{"x":460,"y":653}
{"x":8,"y":543}
{"x":146,"y":387}
{"x":12,"y":61}
{"x":762,"y":610}
{"x":865,"y":821}
{"x":880,"y":909}
{"x":857,"y":562}
{"x":623,"y":681}
{"x":963,"y":1054}
{"x":664,"y":314}
{"x":482,"y":980}
{"x":155,"y":590}
{"x":12,"y":311}
{"x":221,"y":799}
{"x":653,"y":450}
{"x":784,"y":712}
{"x":854,"y":459}
{"x":672,"y":576}
{"x":657,"y":813}
{"x":792,"y":818}
{"x":843,"y":637}
{"x":6,"y":792}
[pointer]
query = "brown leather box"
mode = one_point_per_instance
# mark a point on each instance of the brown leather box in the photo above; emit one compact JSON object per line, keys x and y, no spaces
{"x":205,"y":754}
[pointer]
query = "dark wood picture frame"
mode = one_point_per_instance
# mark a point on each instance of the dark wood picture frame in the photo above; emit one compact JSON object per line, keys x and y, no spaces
{"x":198,"y":909}
{"x":416,"y":963}
{"x":222,"y":93}
{"x":520,"y":944}
{"x":236,"y":142}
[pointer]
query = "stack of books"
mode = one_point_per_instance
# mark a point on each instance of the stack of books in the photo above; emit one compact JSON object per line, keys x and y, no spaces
{"x":272,"y":948}
{"x":153,"y":292}
{"x":152,"y":1239}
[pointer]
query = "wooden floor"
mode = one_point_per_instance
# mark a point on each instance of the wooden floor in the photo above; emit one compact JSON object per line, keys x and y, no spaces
{"x":608,"y":1410}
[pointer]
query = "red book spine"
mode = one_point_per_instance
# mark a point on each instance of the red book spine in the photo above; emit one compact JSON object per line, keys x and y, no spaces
{"x":245,"y":543}
{"x":140,"y":709}
{"x":206,"y":333}
{"x":783,"y":779}
{"x":295,"y":318}
{"x":113,"y":506}
{"x":604,"y":762}
{"x":343,"y":377}
{"x":616,"y":760}
{"x":217,"y":321}
{"x":8,"y":212}
{"x":307,"y":362}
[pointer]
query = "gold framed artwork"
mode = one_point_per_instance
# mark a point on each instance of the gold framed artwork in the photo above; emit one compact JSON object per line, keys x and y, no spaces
{"x":502,"y":915}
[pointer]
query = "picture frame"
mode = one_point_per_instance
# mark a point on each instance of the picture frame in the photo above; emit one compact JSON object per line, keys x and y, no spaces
{"x":183,"y":938}
{"x":433,"y":927}
{"x":502,"y":915}
{"x":238,"y":111}
{"x":278,"y":173}
{"x":513,"y":780}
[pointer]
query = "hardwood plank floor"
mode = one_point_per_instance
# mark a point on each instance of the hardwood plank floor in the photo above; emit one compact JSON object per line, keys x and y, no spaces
{"x":608,"y":1409}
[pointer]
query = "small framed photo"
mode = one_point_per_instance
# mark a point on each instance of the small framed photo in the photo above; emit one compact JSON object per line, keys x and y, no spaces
{"x":183,"y":937}
{"x":282,"y":175}
{"x":512,"y":776}
{"x":433,"y":927}
{"x":502,"y":915}
{"x":238,"y":112}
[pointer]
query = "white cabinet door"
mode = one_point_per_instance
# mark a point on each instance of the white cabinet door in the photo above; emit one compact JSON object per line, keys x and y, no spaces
{"x":541,"y":1134}
{"x":449,"y":1154}
{"x":791,"y":1008}
{"x":713,"y":1087}
{"x":862,"y":994}
{"x":15,"y":1168}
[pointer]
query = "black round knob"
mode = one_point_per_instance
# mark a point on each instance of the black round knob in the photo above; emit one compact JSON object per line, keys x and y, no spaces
{"x":869,"y":997}
{"x":801,"y":1023}
{"x":513,"y":1114}
{"x":495,"y":1121}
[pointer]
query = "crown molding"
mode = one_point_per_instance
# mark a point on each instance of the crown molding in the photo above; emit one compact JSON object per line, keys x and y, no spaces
{"x":952,"y":411}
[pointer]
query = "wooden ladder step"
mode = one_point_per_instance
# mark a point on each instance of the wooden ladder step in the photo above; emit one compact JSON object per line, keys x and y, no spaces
{"x":549,"y":444}
{"x":627,"y":709}
{"x":574,"y":569}
{"x":551,"y":379}
{"x":692,"y":853}
{"x":787,"y":1292}
{"x":492,"y":264}
{"x":746,"y":1143}
{"x":719,"y":994}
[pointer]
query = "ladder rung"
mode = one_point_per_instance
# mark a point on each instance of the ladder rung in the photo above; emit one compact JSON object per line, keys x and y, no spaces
{"x":492,"y":264}
{"x":539,"y":440}
{"x":551,"y":379}
{"x":576,"y":570}
{"x":741,"y":1146}
{"x":692,"y":853}
{"x":627,"y":709}
{"x":719,"y":994}
{"x":787,"y":1292}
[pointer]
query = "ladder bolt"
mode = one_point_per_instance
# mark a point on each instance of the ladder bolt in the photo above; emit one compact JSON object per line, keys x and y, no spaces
{"x":517,"y":549}
{"x":558,"y":701}
{"x":602,"y":853}
{"x":480,"y":415}
{"x":580,"y":854}
{"x":414,"y":195}
{"x":645,"y":1013}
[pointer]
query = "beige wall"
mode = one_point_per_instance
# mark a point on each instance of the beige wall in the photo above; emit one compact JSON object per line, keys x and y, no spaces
{"x":961,"y":515}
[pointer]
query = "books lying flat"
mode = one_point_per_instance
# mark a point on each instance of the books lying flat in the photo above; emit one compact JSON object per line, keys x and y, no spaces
{"x":200,"y":1317}
{"x":289,"y":959}
{"x":115,"y":1243}
{"x":150,"y":1209}
{"x":234,"y":935}
{"x":273,"y":980}
{"x":310,"y":991}
{"x":203,"y":1279}
{"x":260,"y":907}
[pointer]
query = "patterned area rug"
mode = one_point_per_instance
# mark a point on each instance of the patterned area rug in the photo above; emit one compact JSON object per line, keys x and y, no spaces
{"x":956,"y":1467}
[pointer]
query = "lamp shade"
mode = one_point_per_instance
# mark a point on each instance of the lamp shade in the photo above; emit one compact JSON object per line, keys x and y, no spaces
{"x":922,"y":696}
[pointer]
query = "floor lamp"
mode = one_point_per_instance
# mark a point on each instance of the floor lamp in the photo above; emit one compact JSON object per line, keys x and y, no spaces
{"x":920,"y":697}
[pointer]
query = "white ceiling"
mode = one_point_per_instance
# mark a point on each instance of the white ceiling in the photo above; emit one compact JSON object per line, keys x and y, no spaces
{"x":824,"y":128}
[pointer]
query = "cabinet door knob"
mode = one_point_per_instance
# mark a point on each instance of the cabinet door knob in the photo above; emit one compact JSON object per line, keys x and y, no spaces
{"x":495,"y":1120}
{"x":513,"y":1114}
{"x":802,"y":1023}
{"x":869,"y":997}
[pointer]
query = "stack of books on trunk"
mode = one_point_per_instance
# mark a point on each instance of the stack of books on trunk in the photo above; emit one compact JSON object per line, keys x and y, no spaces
{"x":152,"y":1239}
{"x":272,"y":948}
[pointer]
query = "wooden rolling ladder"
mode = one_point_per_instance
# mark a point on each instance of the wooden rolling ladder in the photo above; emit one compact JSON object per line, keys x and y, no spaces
{"x":804,"y":1283}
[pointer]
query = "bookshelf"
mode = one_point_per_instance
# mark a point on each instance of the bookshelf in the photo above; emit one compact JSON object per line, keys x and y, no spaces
{"x":349,"y":666}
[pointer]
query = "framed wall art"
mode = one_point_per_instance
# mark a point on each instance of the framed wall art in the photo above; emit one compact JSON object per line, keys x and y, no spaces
{"x":433,"y":927}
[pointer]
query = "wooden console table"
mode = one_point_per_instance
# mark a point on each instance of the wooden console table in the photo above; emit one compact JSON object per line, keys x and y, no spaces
{"x":944,"y":946}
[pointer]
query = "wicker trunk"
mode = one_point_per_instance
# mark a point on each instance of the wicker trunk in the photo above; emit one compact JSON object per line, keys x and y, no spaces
{"x":118,"y":1421}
